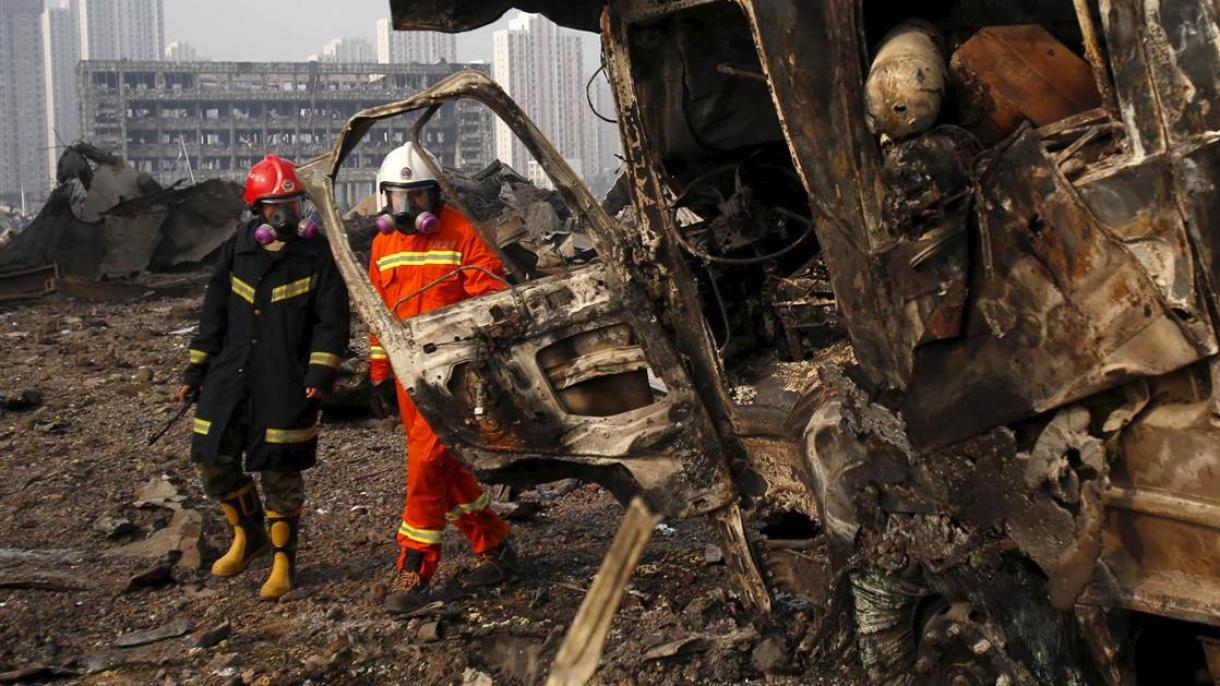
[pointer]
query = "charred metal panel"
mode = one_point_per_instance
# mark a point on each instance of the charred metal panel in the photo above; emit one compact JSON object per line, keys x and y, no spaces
{"x":812,"y":58}
{"x":694,"y":102}
{"x":927,"y":199}
{"x":1136,"y":202}
{"x":1059,"y":310}
{"x":483,"y":375}
{"x":1133,"y":83}
{"x":1163,"y":515}
{"x":1182,"y":42}
{"x":878,"y":496}
{"x":1195,"y":177}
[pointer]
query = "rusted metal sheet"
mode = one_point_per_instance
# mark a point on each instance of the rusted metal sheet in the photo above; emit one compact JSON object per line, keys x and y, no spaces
{"x":1196,"y":172}
{"x":1059,"y":310}
{"x":1137,"y":204}
{"x":102,"y":291}
{"x":1162,"y":536}
{"x":1011,"y":74}
{"x":23,"y":284}
{"x":1180,"y":41}
{"x":1133,"y":83}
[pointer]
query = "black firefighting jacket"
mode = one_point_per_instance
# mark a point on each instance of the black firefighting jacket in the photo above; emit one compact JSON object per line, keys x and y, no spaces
{"x":272,"y":325}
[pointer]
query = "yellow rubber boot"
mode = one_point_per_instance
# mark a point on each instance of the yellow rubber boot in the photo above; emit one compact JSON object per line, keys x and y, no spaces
{"x":284,"y":528}
{"x":244,"y":513}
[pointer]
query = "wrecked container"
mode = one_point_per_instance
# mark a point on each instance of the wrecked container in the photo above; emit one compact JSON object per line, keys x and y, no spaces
{"x":906,"y":82}
{"x":1009,"y":74}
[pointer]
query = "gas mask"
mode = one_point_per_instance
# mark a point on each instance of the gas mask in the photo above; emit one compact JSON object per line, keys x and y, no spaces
{"x":283,"y":220}
{"x":410,"y":210}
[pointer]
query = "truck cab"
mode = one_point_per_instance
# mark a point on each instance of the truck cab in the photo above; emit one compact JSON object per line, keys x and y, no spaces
{"x":915,"y":304}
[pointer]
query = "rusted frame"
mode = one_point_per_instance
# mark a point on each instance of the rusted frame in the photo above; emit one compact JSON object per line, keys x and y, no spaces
{"x":623,"y":275}
{"x":657,"y":241}
{"x":24,"y":284}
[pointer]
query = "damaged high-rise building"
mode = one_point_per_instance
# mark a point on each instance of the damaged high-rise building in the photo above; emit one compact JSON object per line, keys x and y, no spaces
{"x":215,"y":119}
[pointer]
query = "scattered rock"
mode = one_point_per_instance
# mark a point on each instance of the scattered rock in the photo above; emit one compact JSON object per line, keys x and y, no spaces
{"x":696,"y":609}
{"x":158,"y":575}
{"x":223,"y":665}
{"x":770,"y":656}
{"x":295,"y":594}
{"x":712,"y":554}
{"x":745,"y":636}
{"x":182,"y":534}
{"x":517,"y":658}
{"x":27,"y":399}
{"x":517,"y":511}
{"x":112,"y":526}
{"x":559,"y":488}
{"x":159,"y":492}
{"x":216,"y":634}
{"x":36,"y":673}
{"x":473,"y":677}
{"x":161,"y":633}
{"x":429,"y":632}
{"x":682,"y":646}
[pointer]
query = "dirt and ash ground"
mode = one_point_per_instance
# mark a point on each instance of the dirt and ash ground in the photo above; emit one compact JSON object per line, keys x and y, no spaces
{"x":84,"y":570}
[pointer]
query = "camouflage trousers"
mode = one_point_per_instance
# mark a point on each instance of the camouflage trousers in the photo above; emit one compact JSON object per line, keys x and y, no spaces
{"x":283,"y":491}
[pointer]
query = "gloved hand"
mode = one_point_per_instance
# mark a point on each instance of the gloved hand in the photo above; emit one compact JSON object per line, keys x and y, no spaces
{"x":383,"y":400}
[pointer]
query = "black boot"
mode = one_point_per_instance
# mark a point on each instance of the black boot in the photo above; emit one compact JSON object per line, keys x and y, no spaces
{"x":244,"y":513}
{"x":409,"y":590}
{"x":497,"y":566}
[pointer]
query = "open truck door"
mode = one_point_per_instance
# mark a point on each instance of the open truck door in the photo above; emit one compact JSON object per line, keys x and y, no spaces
{"x":572,"y":375}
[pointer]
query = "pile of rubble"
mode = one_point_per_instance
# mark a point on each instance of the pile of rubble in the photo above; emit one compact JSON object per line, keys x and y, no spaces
{"x":104,"y":220}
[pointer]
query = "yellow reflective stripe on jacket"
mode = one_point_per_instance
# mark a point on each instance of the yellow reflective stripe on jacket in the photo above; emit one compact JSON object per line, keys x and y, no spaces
{"x":429,"y":536}
{"x":197,"y":356}
{"x":292,"y":290}
{"x":418,"y":259}
{"x":325,"y":359}
{"x":292,"y":435}
{"x":376,"y":352}
{"x":243,"y":290}
{"x":480,"y":503}
{"x":202,"y":426}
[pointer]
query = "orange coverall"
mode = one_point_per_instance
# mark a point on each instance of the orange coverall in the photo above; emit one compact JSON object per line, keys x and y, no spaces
{"x":439,"y":488}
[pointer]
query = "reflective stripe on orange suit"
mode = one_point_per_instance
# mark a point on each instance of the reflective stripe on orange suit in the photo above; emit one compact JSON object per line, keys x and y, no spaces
{"x":439,"y":488}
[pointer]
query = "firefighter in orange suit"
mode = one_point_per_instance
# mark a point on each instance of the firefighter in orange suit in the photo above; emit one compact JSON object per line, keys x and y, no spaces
{"x":422,"y":240}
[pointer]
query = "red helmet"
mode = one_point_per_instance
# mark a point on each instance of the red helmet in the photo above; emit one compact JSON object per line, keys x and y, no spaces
{"x":273,"y":177}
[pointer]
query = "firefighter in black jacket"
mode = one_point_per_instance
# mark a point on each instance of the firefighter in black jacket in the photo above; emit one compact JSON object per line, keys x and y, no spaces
{"x":274,"y":327}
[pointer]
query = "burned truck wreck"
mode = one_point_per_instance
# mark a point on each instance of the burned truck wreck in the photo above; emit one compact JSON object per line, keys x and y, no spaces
{"x":919,"y":310}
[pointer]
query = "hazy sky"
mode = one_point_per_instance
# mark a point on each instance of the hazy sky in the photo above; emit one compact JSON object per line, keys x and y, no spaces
{"x":291,"y":30}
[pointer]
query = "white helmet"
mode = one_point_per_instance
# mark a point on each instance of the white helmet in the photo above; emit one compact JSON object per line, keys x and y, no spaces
{"x":404,"y":168}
